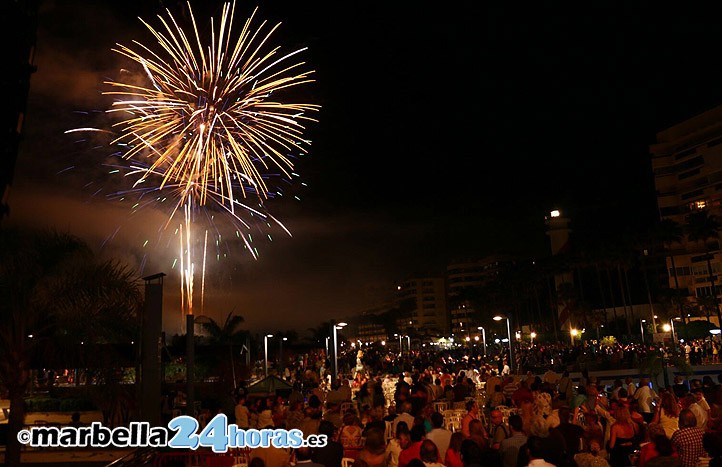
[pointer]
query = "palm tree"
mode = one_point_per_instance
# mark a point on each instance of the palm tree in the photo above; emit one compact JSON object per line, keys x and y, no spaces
{"x":669,"y":233}
{"x":52,"y":288}
{"x":319,"y":334}
{"x":227,"y":334}
{"x":96,"y":303}
{"x":703,"y":227}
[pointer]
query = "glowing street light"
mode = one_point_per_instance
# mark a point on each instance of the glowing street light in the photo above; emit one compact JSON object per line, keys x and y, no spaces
{"x":511,"y":344}
{"x":532,"y":336}
{"x":670,"y":327}
{"x":573,"y":333}
{"x":265,"y":351}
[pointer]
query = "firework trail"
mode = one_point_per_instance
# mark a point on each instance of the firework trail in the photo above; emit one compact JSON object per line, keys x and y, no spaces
{"x":208,"y":127}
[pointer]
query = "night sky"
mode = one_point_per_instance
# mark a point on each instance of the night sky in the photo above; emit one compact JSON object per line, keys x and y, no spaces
{"x":446,"y":132}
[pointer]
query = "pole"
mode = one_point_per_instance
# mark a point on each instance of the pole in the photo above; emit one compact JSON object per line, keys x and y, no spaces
{"x":483,"y":336}
{"x":641,"y":328}
{"x":190,"y":365}
{"x":335,"y":353}
{"x":674,"y":338}
{"x":280,"y":357}
{"x":408,"y":340}
{"x":265,"y":353}
{"x":649,"y":295}
{"x":511,"y":347}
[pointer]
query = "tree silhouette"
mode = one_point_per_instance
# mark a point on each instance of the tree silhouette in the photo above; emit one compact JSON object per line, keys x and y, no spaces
{"x":52,"y":290}
{"x":703,"y":228}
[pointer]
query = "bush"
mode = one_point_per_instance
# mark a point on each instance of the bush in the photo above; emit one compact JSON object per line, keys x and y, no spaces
{"x":50,"y":404}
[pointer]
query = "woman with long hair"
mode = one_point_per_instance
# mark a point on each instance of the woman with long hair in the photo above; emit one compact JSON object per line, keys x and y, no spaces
{"x":350,"y":433}
{"x":622,"y":437}
{"x":667,"y":414}
{"x":453,"y":453}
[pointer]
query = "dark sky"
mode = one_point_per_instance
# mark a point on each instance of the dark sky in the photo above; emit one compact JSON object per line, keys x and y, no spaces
{"x":446,"y":132}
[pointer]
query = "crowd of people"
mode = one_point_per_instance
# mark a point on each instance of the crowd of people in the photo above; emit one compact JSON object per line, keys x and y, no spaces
{"x":539,"y":357}
{"x":455,"y":408}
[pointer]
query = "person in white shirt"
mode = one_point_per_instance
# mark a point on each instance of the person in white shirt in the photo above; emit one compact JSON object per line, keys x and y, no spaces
{"x":439,"y":435}
{"x":699,"y":397}
{"x":405,"y":416}
{"x":242,"y":413}
{"x":506,"y":371}
{"x":535,"y":450}
{"x":644,"y":396}
{"x":631,"y":387}
{"x":699,"y":413}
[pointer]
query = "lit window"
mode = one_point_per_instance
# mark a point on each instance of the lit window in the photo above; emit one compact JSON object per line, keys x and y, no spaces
{"x":699,"y":204}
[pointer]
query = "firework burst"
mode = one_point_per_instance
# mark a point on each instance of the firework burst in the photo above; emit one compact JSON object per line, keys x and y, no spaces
{"x":207,"y":125}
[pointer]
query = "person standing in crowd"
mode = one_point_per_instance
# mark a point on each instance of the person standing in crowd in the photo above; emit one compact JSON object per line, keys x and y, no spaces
{"x":622,"y":437}
{"x":565,"y":387}
{"x":690,"y":402}
{"x":438,"y":434}
{"x":472,"y":413}
{"x":667,"y":413}
{"x":331,"y":454}
{"x":645,"y":396}
{"x":631,"y":387}
{"x":499,"y":431}
{"x":242,"y":413}
{"x":688,"y":439}
{"x":509,"y":447}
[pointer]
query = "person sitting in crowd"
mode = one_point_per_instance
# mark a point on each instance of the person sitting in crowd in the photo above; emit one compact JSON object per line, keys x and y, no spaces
{"x":592,"y":456}
{"x":374,"y":449}
{"x":396,"y":445}
{"x":712,"y":444}
{"x":658,"y":450}
{"x":413,"y":450}
{"x":453,"y":453}
{"x":350,"y":433}
{"x":331,"y":454}
{"x":430,"y":454}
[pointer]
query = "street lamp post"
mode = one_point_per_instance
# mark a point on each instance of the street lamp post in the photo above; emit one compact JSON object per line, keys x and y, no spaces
{"x":641,"y":328}
{"x":483,"y":337}
{"x":511,"y":343}
{"x":334,"y":328}
{"x":401,"y":350}
{"x":532,"y":335}
{"x":265,"y":351}
{"x":408,"y":341}
{"x":670,"y":327}
{"x":572,"y":334}
{"x":280,"y":356}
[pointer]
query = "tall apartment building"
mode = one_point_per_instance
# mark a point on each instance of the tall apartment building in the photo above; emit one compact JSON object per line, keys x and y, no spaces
{"x":426,"y":298}
{"x":368,"y":328}
{"x":469,"y":275}
{"x":687,"y":165}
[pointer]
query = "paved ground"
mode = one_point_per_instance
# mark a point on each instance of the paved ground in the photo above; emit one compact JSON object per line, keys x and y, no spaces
{"x":58,"y":457}
{"x":62,"y":418}
{"x":89,"y":458}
